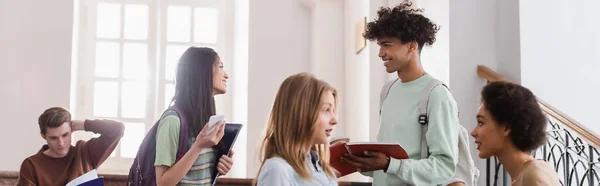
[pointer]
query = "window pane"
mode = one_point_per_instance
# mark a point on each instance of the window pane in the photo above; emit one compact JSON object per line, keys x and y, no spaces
{"x":172,"y":58}
{"x":205,"y":25}
{"x":134,"y":99}
{"x":136,"y":21}
{"x":132,"y":138}
{"x":107,"y":59}
{"x":135,"y":61}
{"x":108,"y":20}
{"x":105,"y":99}
{"x":169,"y":93}
{"x":178,"y":23}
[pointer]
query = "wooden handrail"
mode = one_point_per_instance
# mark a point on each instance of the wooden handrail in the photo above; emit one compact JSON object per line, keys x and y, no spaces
{"x":10,"y":178}
{"x":583,"y":132}
{"x":489,"y":74}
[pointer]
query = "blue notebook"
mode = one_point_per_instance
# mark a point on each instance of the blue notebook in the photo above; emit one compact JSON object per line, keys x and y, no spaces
{"x":95,"y":182}
{"x":89,"y":178}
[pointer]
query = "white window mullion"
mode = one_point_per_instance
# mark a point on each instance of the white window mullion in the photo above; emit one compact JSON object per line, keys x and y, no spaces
{"x":121,"y":80}
{"x":224,"y":38}
{"x":192,"y":26}
{"x":121,"y":61}
{"x":89,"y":62}
{"x":162,"y":57}
{"x":153,"y":66}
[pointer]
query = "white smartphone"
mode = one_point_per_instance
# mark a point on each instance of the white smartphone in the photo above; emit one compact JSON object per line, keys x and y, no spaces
{"x":213,"y":121}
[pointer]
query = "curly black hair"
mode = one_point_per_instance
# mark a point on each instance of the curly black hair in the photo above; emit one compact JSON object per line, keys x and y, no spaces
{"x":404,"y":23}
{"x":515,"y":107}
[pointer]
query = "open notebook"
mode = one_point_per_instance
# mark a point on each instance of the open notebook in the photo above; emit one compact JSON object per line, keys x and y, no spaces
{"x":232,"y":130}
{"x":88,"y":179}
{"x":339,"y":149}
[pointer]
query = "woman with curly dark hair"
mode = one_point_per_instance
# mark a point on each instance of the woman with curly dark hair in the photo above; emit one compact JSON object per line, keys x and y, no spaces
{"x":510,"y":125}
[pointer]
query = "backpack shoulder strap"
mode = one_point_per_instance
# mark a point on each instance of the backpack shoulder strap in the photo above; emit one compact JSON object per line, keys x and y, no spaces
{"x":385,"y":91}
{"x":423,"y":120}
{"x":183,"y":133}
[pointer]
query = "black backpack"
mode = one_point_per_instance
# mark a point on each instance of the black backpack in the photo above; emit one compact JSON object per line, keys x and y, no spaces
{"x":142,"y":172}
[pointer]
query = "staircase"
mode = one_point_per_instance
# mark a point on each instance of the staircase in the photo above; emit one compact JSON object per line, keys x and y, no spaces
{"x":571,"y":148}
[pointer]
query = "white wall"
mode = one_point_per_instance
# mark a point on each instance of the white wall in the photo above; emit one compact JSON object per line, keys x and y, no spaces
{"x":560,"y":55}
{"x":472,"y":43}
{"x":357,"y":74}
{"x":508,"y":54}
{"x":435,"y":58}
{"x":327,"y":51}
{"x":279,"y":46}
{"x":35,"y":55}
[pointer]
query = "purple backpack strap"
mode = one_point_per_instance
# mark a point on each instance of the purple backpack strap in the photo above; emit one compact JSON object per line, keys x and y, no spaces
{"x":183,"y":134}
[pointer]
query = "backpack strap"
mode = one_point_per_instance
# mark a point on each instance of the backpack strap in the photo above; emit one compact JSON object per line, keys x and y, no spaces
{"x":423,"y":119}
{"x":183,"y":133}
{"x":385,"y":91}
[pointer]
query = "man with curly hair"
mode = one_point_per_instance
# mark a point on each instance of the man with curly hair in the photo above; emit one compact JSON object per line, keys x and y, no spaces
{"x":401,"y":32}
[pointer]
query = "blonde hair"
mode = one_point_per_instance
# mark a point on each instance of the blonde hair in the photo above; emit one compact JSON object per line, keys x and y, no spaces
{"x":292,"y":122}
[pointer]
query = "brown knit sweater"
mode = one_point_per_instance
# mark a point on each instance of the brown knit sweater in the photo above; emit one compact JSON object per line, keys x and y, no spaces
{"x":44,"y":170}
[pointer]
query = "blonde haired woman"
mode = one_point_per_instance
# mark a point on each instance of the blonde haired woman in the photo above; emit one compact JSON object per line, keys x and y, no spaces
{"x":302,"y":119}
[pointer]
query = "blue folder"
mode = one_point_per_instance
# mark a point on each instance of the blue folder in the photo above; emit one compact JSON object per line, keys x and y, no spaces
{"x":95,"y":182}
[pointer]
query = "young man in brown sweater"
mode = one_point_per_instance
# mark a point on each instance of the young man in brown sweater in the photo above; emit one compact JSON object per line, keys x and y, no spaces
{"x":59,"y":162}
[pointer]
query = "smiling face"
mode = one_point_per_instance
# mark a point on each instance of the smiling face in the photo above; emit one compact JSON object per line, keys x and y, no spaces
{"x":58,"y":140}
{"x":219,"y":78}
{"x":326,"y":119}
{"x":396,"y":55}
{"x":490,"y":137}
